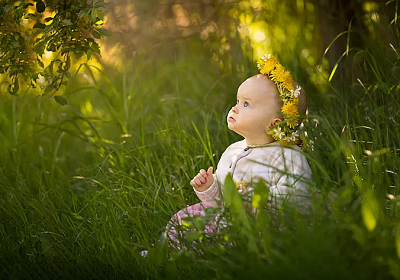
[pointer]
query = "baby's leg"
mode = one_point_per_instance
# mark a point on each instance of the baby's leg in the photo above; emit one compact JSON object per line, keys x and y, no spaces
{"x":176,"y":222}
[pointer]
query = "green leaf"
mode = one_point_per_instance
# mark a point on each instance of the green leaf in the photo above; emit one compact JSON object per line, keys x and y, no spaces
{"x":193,"y":236}
{"x":48,"y":28}
{"x":40,"y":6}
{"x":96,"y":34}
{"x":28,"y":16}
{"x":333,"y":71}
{"x":104,"y":32}
{"x":67,"y":63}
{"x":91,"y":16}
{"x":66,"y":22}
{"x":83,"y":13}
{"x":358,"y":181}
{"x":7,"y":8}
{"x":234,"y":199}
{"x":370,"y":210}
{"x":61,"y":100}
{"x":15,"y":44}
{"x":14,"y":87}
{"x":89,"y":54}
{"x":78,"y":217}
{"x":39,"y":25}
{"x":48,"y":88}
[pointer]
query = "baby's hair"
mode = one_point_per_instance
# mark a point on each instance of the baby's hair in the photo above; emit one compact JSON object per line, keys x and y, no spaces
{"x":302,"y":100}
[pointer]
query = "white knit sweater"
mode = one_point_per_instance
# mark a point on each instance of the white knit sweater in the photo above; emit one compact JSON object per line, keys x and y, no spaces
{"x":285,"y":171}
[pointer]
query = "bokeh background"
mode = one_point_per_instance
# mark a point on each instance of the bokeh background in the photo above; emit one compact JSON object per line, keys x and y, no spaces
{"x":86,"y":186}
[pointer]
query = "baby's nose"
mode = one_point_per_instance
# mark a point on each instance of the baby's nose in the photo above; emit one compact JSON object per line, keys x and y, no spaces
{"x":234,"y":109}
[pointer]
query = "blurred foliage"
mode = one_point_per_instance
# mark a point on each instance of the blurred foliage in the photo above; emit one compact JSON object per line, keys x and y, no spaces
{"x":28,"y":29}
{"x":299,"y":31}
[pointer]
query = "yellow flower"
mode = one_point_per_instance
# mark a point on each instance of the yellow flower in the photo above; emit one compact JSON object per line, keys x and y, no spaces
{"x":241,"y":186}
{"x":303,"y":142}
{"x":269,"y":65}
{"x":290,"y":108}
{"x":278,"y":74}
{"x":260,"y":64}
{"x":283,"y":76}
{"x":292,"y":123}
{"x":287,"y":82}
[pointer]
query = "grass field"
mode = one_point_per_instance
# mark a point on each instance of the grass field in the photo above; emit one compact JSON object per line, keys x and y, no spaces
{"x":85,"y":187}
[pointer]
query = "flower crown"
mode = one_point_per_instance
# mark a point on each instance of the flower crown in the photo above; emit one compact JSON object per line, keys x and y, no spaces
{"x":285,"y":132}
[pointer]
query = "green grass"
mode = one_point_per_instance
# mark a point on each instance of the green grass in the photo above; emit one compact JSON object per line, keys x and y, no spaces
{"x":83,"y":190}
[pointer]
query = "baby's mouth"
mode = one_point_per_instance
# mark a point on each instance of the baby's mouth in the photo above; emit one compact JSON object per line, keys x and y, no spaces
{"x":231,"y":119}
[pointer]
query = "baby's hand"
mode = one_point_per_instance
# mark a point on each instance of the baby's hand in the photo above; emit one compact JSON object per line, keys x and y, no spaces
{"x":203,"y":180}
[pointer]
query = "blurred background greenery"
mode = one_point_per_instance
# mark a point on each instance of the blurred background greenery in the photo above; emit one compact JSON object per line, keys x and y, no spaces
{"x":86,"y":186}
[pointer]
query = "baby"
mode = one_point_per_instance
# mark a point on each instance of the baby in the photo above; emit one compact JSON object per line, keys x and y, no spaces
{"x":267,"y":115}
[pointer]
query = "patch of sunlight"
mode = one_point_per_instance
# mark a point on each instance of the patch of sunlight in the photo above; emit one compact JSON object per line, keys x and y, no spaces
{"x":246,"y":18}
{"x":305,"y":53}
{"x":259,"y":36}
{"x":92,"y":62}
{"x":300,"y":5}
{"x":48,"y":54}
{"x":310,"y":7}
{"x":256,"y":4}
{"x":279,"y":34}
{"x":369,"y":20}
{"x":374,"y":16}
{"x":86,"y":107}
{"x":113,"y":55}
{"x":180,"y":16}
{"x":210,"y":28}
{"x":308,"y":34}
{"x":370,"y":7}
{"x":41,"y":79}
{"x":244,"y":4}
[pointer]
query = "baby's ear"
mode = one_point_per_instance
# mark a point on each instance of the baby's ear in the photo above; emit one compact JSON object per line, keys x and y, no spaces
{"x":275,"y":121}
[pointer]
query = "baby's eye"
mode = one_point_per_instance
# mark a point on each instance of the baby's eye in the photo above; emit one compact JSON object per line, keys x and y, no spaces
{"x":246,"y":104}
{"x":237,"y":101}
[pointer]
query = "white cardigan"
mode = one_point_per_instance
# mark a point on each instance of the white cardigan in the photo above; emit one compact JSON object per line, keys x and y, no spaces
{"x":285,"y":171}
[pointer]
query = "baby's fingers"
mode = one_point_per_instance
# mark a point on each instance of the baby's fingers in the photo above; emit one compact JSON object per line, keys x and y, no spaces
{"x":201,"y":178}
{"x":203,"y":173}
{"x":193,"y":184}
{"x":198,"y":181}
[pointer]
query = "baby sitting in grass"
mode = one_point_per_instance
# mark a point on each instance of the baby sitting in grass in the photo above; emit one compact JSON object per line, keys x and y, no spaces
{"x":267,"y":114}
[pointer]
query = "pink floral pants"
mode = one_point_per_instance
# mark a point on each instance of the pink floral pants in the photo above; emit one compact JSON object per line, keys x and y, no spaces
{"x":176,"y":225}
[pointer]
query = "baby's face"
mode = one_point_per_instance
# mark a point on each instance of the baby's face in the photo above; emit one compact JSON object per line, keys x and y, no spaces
{"x":257,"y":106}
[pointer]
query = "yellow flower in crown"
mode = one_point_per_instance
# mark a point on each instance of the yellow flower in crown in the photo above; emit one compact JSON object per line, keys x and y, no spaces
{"x":303,"y":142}
{"x":278,"y":75}
{"x":267,"y":64}
{"x":281,"y":75}
{"x":287,"y":82}
{"x":292,"y":122}
{"x":285,"y":132}
{"x":290,"y":108}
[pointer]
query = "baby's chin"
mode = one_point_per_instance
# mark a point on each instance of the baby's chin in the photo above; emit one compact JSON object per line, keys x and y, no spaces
{"x":232,"y":127}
